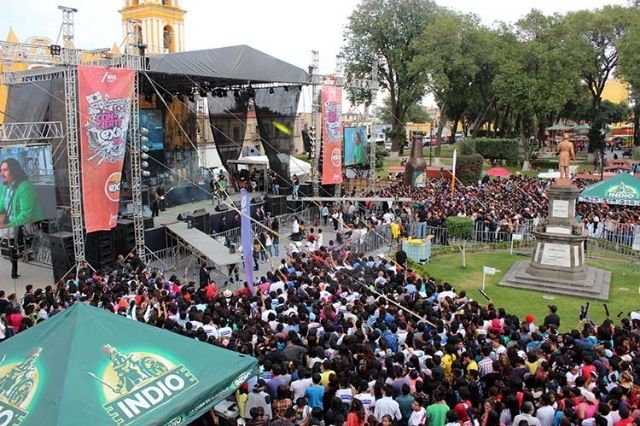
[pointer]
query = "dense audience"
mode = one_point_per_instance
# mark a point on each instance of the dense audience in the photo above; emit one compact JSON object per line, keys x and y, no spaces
{"x":345,"y":338}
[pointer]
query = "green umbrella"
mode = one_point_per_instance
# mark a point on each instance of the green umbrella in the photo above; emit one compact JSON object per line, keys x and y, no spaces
{"x":87,"y":366}
{"x":558,"y":127}
{"x":623,"y":188}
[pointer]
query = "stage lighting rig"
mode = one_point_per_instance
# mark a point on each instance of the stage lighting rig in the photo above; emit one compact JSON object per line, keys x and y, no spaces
{"x":55,"y":50}
{"x":236,"y":93}
{"x":144,"y":148}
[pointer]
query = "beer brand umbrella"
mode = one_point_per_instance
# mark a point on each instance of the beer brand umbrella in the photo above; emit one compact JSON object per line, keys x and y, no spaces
{"x":87,"y":366}
{"x":622,"y":188}
{"x":498,"y":172}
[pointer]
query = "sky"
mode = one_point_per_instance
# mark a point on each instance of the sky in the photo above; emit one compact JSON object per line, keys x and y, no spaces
{"x":287,"y":29}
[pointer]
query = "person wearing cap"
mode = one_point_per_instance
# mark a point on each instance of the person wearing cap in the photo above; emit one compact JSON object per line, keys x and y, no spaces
{"x":552,"y":318}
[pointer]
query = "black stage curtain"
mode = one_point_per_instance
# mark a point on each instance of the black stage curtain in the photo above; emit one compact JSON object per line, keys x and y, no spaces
{"x":276,"y":110}
{"x":228,"y":119}
{"x":27,"y":102}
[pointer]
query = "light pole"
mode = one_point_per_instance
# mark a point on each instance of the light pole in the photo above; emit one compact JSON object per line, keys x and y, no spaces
{"x":430,"y":141}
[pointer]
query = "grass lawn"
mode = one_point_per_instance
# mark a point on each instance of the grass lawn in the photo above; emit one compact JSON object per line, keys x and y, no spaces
{"x":623,"y":294}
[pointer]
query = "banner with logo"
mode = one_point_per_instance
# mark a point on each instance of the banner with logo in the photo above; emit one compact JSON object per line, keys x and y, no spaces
{"x":124,"y":372}
{"x":331,"y":99}
{"x":104,"y":100}
{"x":245,"y":235}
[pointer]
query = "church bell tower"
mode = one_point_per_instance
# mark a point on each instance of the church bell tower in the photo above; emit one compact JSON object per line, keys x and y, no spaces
{"x":160,"y":24}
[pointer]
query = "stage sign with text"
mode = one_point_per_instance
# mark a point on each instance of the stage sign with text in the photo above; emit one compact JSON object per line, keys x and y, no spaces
{"x":331,"y":134}
{"x":104,"y":98}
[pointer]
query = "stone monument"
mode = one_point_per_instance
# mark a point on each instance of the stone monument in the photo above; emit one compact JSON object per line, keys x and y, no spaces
{"x":558,"y":261}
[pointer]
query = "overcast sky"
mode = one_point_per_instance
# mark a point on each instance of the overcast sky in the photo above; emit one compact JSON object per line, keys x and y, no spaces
{"x":287,"y":29}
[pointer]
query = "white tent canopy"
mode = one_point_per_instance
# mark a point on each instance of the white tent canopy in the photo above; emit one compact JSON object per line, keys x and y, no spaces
{"x":296,"y":166}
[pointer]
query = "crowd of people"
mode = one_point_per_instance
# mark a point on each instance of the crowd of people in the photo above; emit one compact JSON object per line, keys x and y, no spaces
{"x":346,"y":338}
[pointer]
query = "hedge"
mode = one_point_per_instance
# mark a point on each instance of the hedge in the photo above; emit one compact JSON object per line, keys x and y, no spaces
{"x":460,"y":227}
{"x":469,"y":168}
{"x":498,"y":149}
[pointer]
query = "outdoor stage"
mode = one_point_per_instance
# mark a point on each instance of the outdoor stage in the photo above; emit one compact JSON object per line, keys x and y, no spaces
{"x":41,"y":275}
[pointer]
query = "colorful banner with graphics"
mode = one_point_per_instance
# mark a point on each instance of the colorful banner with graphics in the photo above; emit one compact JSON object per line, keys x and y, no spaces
{"x":104,"y":98}
{"x":331,"y":134}
{"x":245,"y":235}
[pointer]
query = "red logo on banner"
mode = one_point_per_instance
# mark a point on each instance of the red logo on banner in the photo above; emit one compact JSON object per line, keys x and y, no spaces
{"x":104,"y":98}
{"x":331,"y":134}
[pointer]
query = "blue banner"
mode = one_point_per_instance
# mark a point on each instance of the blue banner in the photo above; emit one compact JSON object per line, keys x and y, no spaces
{"x":245,"y":233}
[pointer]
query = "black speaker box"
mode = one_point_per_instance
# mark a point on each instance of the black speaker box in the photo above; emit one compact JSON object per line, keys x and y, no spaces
{"x":124,"y":239}
{"x":257,"y":200}
{"x":99,"y":249}
{"x":62,"y":253}
{"x":276,"y":204}
{"x":148,"y":222}
{"x":155,"y":238}
{"x":201,"y":221}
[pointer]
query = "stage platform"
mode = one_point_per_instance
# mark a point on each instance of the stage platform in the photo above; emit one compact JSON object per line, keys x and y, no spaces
{"x":216,"y":253}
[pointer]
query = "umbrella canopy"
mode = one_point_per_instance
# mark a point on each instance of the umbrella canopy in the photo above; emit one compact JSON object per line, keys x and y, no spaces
{"x":622,"y":188}
{"x":558,"y":127}
{"x":88,"y":366}
{"x":582,"y":128}
{"x":498,"y":172}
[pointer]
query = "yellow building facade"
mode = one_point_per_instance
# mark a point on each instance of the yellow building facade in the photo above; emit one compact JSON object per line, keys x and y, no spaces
{"x":160,"y":24}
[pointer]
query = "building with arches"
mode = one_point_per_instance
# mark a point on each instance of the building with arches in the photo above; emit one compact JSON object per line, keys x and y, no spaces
{"x":160,"y":24}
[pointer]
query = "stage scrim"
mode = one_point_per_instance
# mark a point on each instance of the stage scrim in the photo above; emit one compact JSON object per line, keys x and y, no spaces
{"x":228,"y":118}
{"x":276,"y":109}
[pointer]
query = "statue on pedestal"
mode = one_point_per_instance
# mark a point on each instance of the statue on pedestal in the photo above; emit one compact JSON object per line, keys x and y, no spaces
{"x":566,"y":154}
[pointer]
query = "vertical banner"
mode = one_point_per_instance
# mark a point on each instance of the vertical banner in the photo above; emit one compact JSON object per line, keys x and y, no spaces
{"x":104,"y":100}
{"x":331,"y":134}
{"x":245,"y":236}
{"x":453,"y":174}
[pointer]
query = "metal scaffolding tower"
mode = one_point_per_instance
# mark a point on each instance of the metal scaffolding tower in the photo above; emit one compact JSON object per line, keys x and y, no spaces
{"x":69,"y":57}
{"x":135,"y":147}
{"x":336,"y":79}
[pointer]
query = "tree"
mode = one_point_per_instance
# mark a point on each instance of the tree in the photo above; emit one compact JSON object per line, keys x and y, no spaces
{"x":384,"y":30}
{"x":447,"y":53}
{"x":415,"y":113}
{"x":593,"y":38}
{"x":629,"y":66}
{"x":535,"y":78}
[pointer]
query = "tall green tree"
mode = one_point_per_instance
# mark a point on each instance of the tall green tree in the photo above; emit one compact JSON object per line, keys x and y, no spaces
{"x":384,"y":30}
{"x":594,"y":38}
{"x":445,"y":52}
{"x":629,"y":65}
{"x":415,"y":113}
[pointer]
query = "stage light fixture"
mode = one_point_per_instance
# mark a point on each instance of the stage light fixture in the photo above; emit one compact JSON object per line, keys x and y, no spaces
{"x":144,"y":156}
{"x":191,"y":98}
{"x":271,"y":90}
{"x":251,"y":92}
{"x":286,"y":88}
{"x":55,"y":50}
{"x":202,"y":93}
{"x":236,"y":93}
{"x":224,"y":93}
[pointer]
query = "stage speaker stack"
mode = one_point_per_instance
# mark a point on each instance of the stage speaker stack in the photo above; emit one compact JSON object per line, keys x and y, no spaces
{"x":99,"y":249}
{"x":124,"y":238}
{"x":201,"y":221}
{"x":62,"y":253}
{"x":276,"y":204}
{"x":148,"y":222}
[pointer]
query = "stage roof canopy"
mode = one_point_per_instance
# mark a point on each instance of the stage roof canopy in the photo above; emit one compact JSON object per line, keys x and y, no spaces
{"x":222,"y":67}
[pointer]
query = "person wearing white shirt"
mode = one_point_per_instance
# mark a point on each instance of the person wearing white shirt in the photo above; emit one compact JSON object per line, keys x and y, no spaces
{"x":387,"y":406}
{"x":418,"y":415}
{"x":526,"y":414}
{"x":319,"y":239}
{"x":299,"y":387}
{"x":546,"y":412}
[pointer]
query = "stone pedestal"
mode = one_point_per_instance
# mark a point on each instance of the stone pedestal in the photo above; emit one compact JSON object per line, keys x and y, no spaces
{"x":558,"y":261}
